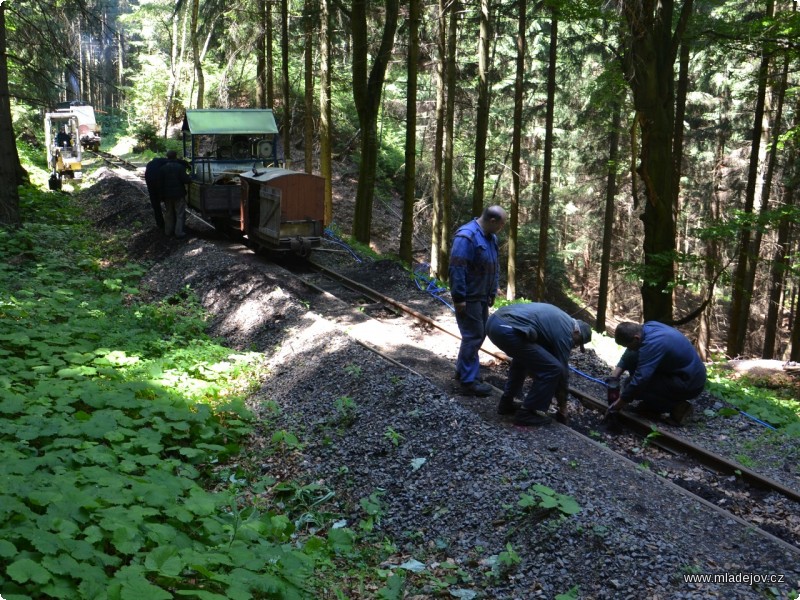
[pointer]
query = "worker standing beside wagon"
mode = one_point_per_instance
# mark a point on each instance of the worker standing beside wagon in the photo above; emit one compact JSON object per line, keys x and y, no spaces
{"x":152,"y":179}
{"x":173,"y":179}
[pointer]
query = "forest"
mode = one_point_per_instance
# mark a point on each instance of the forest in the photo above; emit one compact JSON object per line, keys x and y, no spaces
{"x":645,"y":150}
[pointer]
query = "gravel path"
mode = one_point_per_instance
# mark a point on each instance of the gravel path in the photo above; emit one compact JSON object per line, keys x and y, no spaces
{"x":447,"y":474}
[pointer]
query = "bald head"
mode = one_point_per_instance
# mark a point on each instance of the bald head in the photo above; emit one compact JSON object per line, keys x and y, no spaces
{"x":493,"y":219}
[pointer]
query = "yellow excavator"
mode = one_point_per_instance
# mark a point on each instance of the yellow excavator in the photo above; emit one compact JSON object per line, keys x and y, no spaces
{"x":62,"y":139}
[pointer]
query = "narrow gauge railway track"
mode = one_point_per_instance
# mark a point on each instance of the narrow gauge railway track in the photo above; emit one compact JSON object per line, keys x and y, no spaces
{"x":112,"y":160}
{"x":737,"y":490}
{"x":366,"y":300}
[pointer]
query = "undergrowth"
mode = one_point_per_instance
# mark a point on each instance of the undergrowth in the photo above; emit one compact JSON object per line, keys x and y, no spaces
{"x":115,"y":419}
{"x":778,"y":407}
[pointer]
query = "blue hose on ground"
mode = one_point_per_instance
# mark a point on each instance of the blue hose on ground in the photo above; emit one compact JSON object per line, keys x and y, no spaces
{"x":741,"y":412}
{"x":430,"y":285}
{"x":757,"y":420}
{"x":589,"y":377}
{"x":329,"y":235}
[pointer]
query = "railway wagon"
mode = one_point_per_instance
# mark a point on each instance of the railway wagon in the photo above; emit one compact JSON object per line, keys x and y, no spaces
{"x":220,"y":144}
{"x":282,"y":210}
{"x":238,"y":182}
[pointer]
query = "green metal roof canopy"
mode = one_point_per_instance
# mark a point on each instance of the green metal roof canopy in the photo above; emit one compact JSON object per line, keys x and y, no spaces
{"x":221,"y":121}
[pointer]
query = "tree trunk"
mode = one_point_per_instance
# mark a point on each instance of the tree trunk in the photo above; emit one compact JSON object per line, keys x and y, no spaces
{"x":308,"y":122}
{"x":544,"y":210}
{"x":10,"y":169}
{"x":608,"y":219}
{"x":447,"y":192}
{"x":120,"y":68}
{"x":325,"y":165}
{"x":650,"y":53}
{"x":409,"y":188}
{"x":482,"y":117}
{"x":779,"y":266}
{"x":437,"y":192}
{"x":261,"y":57}
{"x":174,"y":72}
{"x":367,"y":92}
{"x":516,"y":151}
{"x":754,"y":251}
{"x":677,"y":137}
{"x":740,"y":297}
{"x":794,"y":353}
{"x":778,"y":271}
{"x":270,"y":57}
{"x":198,"y":67}
{"x":711,"y":213}
{"x":83,"y":59}
{"x":287,"y":109}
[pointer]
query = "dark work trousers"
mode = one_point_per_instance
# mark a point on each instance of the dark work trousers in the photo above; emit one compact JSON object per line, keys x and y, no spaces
{"x":527,"y":359}
{"x":155,"y":202}
{"x":664,"y":390}
{"x":175,"y":216}
{"x":472,"y":325}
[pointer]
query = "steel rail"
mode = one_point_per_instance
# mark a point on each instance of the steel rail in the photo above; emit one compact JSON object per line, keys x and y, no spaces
{"x":666,"y":440}
{"x":113,"y":160}
{"x":674,"y":443}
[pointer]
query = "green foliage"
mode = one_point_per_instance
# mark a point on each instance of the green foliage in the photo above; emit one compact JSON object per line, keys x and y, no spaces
{"x":147,"y":137}
{"x":779,"y":408}
{"x":509,"y":558}
{"x":353,"y":370}
{"x":393,"y":590}
{"x":373,"y":508}
{"x":653,"y":435}
{"x":115,"y":419}
{"x":548,"y":499}
{"x":499,"y":302}
{"x":572,"y":594}
{"x":31,"y":154}
{"x":393,"y":436}
{"x":27,"y":123}
{"x":346,"y":409}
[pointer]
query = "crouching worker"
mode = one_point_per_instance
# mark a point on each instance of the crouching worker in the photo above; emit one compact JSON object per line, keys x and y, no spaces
{"x":665,"y":370}
{"x":538,"y":338}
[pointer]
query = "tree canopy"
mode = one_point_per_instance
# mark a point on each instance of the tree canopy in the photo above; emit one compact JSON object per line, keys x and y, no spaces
{"x":648,"y":148}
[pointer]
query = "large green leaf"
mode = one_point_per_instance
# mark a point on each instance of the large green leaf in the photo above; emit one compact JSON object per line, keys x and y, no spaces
{"x":165,"y":560}
{"x":25,"y":569}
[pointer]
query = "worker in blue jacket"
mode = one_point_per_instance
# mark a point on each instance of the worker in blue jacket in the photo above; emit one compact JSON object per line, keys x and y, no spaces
{"x":538,"y":338}
{"x":665,"y":370}
{"x":474,"y":279}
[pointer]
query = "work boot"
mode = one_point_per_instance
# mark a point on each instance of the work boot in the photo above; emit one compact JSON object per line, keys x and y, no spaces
{"x":645,"y":412}
{"x":529,"y":418}
{"x":610,"y":423}
{"x":506,"y":405}
{"x":476,"y":388}
{"x":681,"y":413}
{"x":457,"y":377}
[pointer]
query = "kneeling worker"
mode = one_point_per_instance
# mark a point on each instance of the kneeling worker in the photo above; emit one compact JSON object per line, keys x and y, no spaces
{"x":665,"y":370}
{"x":538,"y":337}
